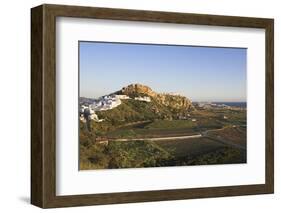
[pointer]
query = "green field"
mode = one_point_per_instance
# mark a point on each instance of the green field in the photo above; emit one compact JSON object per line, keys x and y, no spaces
{"x":174,"y":124}
{"x":139,"y":154}
{"x":223,"y":139}
{"x":158,"y":128}
{"x":194,"y":146}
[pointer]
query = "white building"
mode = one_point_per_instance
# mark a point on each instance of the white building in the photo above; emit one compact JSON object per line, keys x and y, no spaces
{"x":82,"y":118}
{"x":105,"y":103}
{"x":82,"y":108}
{"x":94,"y":117}
{"x":145,"y":98}
{"x":89,"y":111}
{"x":123,"y":97}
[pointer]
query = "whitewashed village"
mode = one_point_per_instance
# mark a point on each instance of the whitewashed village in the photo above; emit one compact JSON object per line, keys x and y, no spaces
{"x":88,"y":108}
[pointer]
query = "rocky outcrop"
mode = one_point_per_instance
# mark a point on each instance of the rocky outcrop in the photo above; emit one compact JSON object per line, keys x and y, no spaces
{"x":174,"y":101}
{"x":135,"y":89}
{"x":169,"y":100}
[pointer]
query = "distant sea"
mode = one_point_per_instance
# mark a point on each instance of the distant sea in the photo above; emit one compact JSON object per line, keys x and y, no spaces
{"x":233,"y":104}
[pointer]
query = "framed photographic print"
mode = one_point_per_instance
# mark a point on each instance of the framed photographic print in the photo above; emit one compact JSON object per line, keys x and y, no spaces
{"x":136,"y":106}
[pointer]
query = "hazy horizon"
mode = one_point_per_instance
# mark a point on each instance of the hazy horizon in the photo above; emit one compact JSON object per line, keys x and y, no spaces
{"x":200,"y":73}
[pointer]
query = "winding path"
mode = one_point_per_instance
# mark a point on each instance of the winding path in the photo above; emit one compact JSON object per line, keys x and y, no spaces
{"x":202,"y":134}
{"x":158,"y":139}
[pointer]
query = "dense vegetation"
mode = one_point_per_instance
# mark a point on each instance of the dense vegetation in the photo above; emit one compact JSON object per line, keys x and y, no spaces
{"x":138,"y":154}
{"x":123,"y":155}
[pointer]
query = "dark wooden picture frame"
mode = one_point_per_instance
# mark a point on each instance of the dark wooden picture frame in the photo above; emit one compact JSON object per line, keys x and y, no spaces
{"x":43,"y":105}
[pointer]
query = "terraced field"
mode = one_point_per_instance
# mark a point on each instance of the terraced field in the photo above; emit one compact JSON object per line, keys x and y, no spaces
{"x":220,"y":138}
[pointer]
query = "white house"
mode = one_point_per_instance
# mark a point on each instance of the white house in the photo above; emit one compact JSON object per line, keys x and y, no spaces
{"x":82,"y":108}
{"x":145,"y":98}
{"x":82,"y":118}
{"x":123,"y":97}
{"x":89,"y":110}
{"x":93,"y":117}
{"x":105,"y":103}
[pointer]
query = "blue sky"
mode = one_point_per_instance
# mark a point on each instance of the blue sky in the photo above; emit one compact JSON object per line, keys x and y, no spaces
{"x":199,"y":73}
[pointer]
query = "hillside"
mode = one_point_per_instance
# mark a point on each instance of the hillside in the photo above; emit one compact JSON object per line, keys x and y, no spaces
{"x":162,"y":130}
{"x":161,"y":106}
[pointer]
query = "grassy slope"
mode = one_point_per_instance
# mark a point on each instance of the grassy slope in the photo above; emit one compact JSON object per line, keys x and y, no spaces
{"x":132,"y":111}
{"x":193,"y":146}
{"x":139,"y":154}
{"x":130,"y":154}
{"x":157,"y":128}
{"x":174,"y":124}
{"x":236,"y":135}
